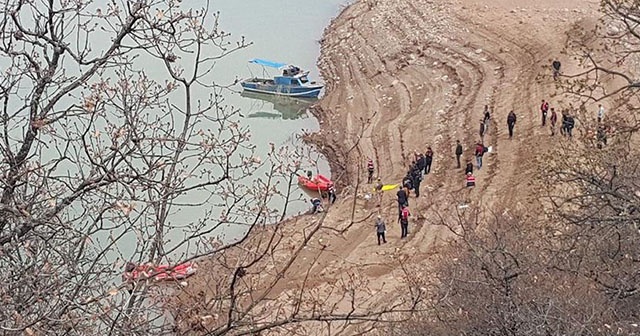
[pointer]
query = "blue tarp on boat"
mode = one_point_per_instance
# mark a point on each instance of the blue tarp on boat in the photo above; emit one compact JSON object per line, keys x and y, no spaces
{"x":267,"y":63}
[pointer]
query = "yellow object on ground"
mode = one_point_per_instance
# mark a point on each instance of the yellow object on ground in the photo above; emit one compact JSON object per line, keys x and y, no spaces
{"x":388,"y":187}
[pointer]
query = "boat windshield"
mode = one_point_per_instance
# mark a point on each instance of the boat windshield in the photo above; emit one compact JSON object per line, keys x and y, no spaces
{"x":304,"y":80}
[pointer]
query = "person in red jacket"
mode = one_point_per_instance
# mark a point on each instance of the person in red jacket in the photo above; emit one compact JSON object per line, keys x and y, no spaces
{"x":370,"y":170}
{"x":479,"y":153}
{"x":404,"y":222}
{"x":544,"y":108}
{"x":470,"y":180}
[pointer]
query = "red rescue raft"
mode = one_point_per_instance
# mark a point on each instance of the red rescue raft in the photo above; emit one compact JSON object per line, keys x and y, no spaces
{"x":161,"y":272}
{"x":317,"y":183}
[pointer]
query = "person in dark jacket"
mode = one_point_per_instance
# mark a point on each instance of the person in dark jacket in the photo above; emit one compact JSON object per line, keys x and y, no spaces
{"x":511,"y":123}
{"x":479,"y":153}
{"x":556,"y":69}
{"x":563,"y":126}
{"x":421,"y":163}
{"x":570,"y":124}
{"x":553,"y":121}
{"x":486,"y":118}
{"x":416,"y":176}
{"x":601,"y":136}
{"x":428,"y":156}
{"x":469,"y":168}
{"x":332,"y":194}
{"x":316,"y":205}
{"x":482,"y":130}
{"x":458,"y":152}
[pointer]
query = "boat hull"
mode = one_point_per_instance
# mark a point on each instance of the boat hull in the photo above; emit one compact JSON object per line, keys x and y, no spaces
{"x":262,"y":86}
{"x":317,"y":183}
{"x":162,"y":272}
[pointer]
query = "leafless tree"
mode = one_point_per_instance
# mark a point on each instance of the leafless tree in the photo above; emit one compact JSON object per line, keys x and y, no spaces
{"x":117,"y":145}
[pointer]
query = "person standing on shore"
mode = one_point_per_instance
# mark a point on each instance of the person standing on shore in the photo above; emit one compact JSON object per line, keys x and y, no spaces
{"x":332,"y":194}
{"x":458,"y":152}
{"x":428,"y":156}
{"x":316,"y":205}
{"x":511,"y":123}
{"x":553,"y":120}
{"x":544,"y":109}
{"x":381,"y":228}
{"x":404,"y":222}
{"x":370,"y":170}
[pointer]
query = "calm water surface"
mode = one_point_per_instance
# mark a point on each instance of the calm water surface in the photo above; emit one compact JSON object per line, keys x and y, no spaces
{"x":286,"y":31}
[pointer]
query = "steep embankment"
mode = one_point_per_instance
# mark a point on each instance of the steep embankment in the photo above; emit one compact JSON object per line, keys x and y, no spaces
{"x":401,"y":76}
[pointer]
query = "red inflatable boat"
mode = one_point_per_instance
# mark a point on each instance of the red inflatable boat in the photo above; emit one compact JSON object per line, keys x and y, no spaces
{"x":316,"y":183}
{"x":159,"y":273}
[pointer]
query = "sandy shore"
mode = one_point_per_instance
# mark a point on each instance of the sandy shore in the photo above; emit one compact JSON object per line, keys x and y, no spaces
{"x":404,"y":75}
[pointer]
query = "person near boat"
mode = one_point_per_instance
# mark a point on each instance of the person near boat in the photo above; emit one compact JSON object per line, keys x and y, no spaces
{"x":316,"y":205}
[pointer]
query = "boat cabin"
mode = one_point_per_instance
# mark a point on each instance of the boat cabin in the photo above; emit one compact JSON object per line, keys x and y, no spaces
{"x":297,"y":80}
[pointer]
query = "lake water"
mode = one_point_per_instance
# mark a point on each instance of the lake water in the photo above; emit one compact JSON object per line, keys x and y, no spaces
{"x":286,"y":31}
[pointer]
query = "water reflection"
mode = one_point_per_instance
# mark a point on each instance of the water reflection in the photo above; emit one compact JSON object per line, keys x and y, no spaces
{"x":288,"y":108}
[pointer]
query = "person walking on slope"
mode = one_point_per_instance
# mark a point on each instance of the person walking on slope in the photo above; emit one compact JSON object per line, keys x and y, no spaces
{"x":600,"y":112}
{"x":544,"y":109}
{"x":486,"y":118}
{"x":458,"y":152}
{"x":416,"y":176}
{"x":370,"y":170}
{"x":403,"y":200}
{"x":482,"y":129}
{"x":381,"y":228}
{"x":421,"y":162}
{"x":469,"y":168}
{"x":511,"y":122}
{"x":469,"y":183}
{"x":570,"y":124}
{"x":404,"y":222}
{"x":428,"y":156}
{"x":553,"y":119}
{"x":556,"y":69}
{"x":479,"y":153}
{"x":379,"y":192}
{"x":563,"y":125}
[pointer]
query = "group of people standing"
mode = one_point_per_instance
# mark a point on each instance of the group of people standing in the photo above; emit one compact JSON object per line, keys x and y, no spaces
{"x":567,"y":122}
{"x":421,"y":165}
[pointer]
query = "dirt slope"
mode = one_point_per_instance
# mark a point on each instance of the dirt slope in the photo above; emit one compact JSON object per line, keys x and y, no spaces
{"x":404,"y":75}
